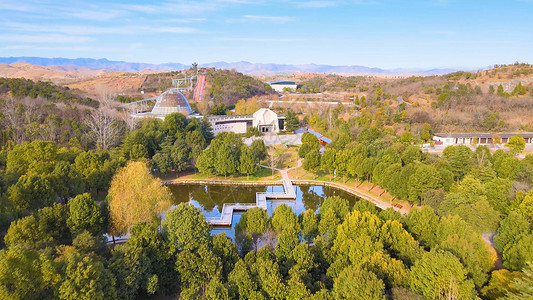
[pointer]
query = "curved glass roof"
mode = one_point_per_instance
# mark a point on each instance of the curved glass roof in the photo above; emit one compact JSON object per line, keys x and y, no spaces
{"x":171,"y":101}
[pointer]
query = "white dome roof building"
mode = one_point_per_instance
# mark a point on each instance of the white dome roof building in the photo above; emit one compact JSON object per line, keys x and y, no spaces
{"x":169,"y":102}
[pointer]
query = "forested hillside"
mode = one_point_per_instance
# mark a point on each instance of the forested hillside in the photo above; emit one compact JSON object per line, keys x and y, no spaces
{"x":17,"y":87}
{"x":222,"y":86}
{"x":499,"y":99}
{"x":228,"y":87}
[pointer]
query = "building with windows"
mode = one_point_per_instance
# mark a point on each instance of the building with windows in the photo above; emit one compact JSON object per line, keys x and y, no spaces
{"x":449,"y":139}
{"x":280,"y":85}
{"x":265,"y":120}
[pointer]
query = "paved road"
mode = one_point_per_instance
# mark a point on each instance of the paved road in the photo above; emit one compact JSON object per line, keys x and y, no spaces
{"x":287,"y":139}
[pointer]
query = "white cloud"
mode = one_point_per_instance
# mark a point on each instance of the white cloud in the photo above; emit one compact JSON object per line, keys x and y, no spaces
{"x":257,"y":40}
{"x":316,"y":4}
{"x":93,"y":30}
{"x":256,"y":18}
{"x":50,"y":38}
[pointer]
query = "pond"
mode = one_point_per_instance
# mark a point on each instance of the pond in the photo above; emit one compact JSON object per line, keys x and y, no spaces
{"x":210,"y":198}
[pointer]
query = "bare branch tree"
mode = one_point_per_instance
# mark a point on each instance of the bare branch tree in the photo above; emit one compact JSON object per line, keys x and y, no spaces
{"x":102,"y":125}
{"x":14,"y":119}
{"x":102,"y":122}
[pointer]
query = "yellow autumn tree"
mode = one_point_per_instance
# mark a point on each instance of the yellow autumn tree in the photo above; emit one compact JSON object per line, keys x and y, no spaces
{"x":247,"y":107}
{"x":136,"y":196}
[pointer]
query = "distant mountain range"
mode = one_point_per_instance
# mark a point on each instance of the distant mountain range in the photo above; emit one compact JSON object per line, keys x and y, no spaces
{"x":242,"y":66}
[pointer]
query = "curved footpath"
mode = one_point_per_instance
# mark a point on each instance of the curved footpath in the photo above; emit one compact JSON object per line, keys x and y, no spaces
{"x":284,"y":174}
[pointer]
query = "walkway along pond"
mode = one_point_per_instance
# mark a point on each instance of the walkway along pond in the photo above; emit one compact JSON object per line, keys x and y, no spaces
{"x":226,"y":216}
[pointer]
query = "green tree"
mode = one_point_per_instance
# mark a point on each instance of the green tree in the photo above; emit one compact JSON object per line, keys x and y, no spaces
{"x":522,"y":287}
{"x":309,"y":222}
{"x":256,"y":223}
{"x":309,"y":143}
{"x":218,"y":110}
{"x":516,"y":144}
{"x":216,"y":290}
{"x":90,"y":166}
{"x":284,"y":218}
{"x":287,"y":241}
{"x":426,"y":178}
{"x":21,"y":275}
{"x":197,"y":270}
{"x":205,"y":163}
{"x":357,"y":283}
{"x":84,"y":214}
{"x":86,"y":278}
{"x":225,"y":162}
{"x":439,"y":274}
{"x":496,"y":139}
{"x":426,"y":134}
{"x":501,"y":91}
{"x":339,"y":206}
{"x":132,"y":269}
{"x":422,"y":224}
{"x":459,"y":158}
{"x":291,"y":121}
{"x":162,"y":162}
{"x":226,"y":251}
{"x":473,"y":254}
{"x":312,"y":161}
{"x":186,"y":227}
{"x":270,"y":279}
{"x":248,"y":163}
{"x":180,"y":154}
{"x":378,"y":92}
{"x":259,"y":150}
{"x":511,"y":229}
{"x":47,"y":227}
{"x":328,"y":161}
{"x":37,"y":157}
{"x":241,"y":280}
{"x":154,"y":246}
{"x":515,"y":256}
{"x":175,"y":124}
{"x":31,"y":193}
{"x":500,"y":284}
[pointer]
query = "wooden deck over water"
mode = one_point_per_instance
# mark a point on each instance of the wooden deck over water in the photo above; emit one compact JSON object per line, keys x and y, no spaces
{"x":226,"y":216}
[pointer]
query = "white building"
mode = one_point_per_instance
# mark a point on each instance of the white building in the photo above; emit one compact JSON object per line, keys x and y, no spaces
{"x":280,"y":85}
{"x":449,"y":139}
{"x":265,"y":120}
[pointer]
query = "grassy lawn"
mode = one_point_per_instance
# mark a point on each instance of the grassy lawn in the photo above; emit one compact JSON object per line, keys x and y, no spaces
{"x":284,"y":156}
{"x":263,"y":174}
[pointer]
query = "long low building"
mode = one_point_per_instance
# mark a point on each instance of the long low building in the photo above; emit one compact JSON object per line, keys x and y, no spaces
{"x":449,"y":139}
{"x":280,"y":85}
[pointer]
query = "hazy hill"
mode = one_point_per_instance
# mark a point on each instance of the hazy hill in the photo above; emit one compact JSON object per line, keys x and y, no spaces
{"x":242,"y":66}
{"x":60,"y":74}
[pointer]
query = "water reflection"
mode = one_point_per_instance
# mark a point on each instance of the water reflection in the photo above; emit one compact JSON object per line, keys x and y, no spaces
{"x":210,"y":198}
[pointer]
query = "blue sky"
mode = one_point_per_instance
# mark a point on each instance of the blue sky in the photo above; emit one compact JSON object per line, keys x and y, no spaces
{"x":375,"y":33}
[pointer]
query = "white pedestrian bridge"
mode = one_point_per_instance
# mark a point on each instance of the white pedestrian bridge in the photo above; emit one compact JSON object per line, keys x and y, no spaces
{"x":226,"y":216}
